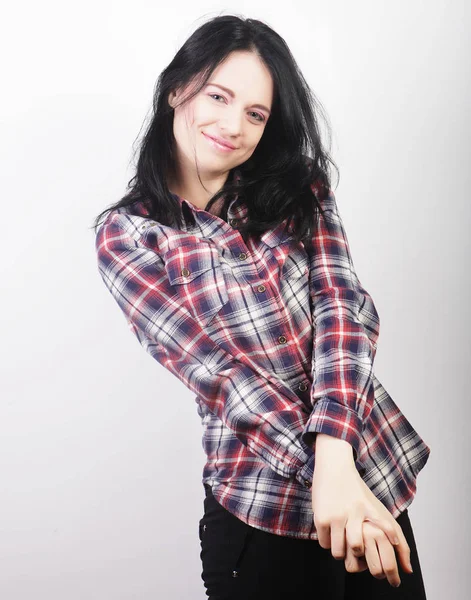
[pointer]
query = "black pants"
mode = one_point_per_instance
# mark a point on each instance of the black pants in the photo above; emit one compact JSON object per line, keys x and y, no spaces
{"x":241,"y":562}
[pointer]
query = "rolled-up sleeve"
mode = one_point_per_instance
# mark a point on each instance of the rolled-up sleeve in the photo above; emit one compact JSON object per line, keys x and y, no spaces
{"x":346,"y":329}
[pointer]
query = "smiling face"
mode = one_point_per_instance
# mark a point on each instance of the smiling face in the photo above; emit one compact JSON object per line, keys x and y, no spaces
{"x":233,"y":106}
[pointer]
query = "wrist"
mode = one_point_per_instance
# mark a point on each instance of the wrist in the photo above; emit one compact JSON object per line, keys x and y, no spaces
{"x":328,"y":448}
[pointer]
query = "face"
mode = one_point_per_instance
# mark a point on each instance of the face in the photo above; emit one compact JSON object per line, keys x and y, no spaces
{"x":233,"y":107}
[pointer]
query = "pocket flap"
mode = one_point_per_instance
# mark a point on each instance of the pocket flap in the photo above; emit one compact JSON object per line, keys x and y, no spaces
{"x":186,"y":263}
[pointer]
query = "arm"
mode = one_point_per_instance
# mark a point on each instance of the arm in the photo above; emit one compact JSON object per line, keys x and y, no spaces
{"x":264,"y":414}
{"x":346,"y":327}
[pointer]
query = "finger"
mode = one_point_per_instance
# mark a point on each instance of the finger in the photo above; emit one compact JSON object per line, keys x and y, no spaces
{"x":389,"y":526}
{"x":337,"y":538}
{"x":355,"y":564}
{"x":388,"y":559}
{"x":371,"y":550}
{"x":354,"y":536}
{"x":403,"y":550}
{"x":323,"y":533}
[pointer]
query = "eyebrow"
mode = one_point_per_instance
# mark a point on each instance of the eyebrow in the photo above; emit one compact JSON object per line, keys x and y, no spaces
{"x":231,"y":93}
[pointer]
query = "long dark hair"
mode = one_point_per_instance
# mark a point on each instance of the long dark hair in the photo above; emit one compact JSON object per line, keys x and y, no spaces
{"x":276,"y":182}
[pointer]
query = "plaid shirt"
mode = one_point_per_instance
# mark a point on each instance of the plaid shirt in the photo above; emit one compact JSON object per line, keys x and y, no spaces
{"x":276,"y":343}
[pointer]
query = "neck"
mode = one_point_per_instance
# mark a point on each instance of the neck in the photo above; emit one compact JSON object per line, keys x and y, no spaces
{"x":186,"y":184}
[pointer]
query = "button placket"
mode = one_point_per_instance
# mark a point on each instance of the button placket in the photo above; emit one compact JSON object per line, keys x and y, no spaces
{"x":245,"y":256}
{"x":262,"y":288}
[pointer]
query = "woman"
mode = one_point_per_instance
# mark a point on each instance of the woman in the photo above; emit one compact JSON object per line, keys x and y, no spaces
{"x":229,"y":259}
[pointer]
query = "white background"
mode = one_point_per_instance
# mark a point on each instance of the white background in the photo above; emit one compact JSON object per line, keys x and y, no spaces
{"x":100,"y":446}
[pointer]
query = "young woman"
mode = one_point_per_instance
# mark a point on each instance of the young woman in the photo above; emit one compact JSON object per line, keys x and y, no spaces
{"x":230,"y":261}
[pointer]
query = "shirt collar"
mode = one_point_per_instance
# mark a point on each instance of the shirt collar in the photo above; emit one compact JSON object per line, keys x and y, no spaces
{"x":237,"y":209}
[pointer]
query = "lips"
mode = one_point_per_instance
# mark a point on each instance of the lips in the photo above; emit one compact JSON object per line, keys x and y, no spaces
{"x":220,"y":141}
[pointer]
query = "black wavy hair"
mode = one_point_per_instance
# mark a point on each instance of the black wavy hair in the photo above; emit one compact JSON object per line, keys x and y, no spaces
{"x":276,"y":181}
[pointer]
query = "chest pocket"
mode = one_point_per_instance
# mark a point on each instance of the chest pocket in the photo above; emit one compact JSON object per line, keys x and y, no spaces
{"x":196,"y":273}
{"x":294,"y":284}
{"x":296,"y":264}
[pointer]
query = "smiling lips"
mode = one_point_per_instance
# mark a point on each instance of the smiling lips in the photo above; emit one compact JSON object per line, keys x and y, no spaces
{"x":219,"y":143}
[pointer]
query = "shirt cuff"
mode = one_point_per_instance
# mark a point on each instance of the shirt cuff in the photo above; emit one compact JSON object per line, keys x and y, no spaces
{"x":305,"y":474}
{"x":336,"y":420}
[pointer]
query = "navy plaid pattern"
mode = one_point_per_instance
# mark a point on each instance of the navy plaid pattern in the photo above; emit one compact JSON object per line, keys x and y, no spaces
{"x":277,"y":343}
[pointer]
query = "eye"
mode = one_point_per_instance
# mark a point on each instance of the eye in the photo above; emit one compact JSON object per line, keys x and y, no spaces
{"x":218,"y":95}
{"x":258,"y":116}
{"x":261,"y":117}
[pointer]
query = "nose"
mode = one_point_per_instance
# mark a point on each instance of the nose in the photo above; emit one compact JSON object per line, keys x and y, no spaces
{"x":231,"y":124}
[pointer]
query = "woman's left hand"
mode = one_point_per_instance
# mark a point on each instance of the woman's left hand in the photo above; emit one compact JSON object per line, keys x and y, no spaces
{"x":341,"y":503}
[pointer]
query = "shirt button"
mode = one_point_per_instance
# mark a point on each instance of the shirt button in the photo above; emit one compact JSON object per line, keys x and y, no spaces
{"x":302,"y":386}
{"x":307,"y":483}
{"x":282,"y":339}
{"x":261,"y":288}
{"x":235,"y":573}
{"x":185,"y":272}
{"x":242,"y":256}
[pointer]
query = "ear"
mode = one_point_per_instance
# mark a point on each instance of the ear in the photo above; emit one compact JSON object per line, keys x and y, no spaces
{"x":172,"y":98}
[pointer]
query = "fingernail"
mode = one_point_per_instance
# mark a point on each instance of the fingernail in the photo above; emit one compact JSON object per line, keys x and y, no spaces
{"x":411,"y":569}
{"x":398,"y":584}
